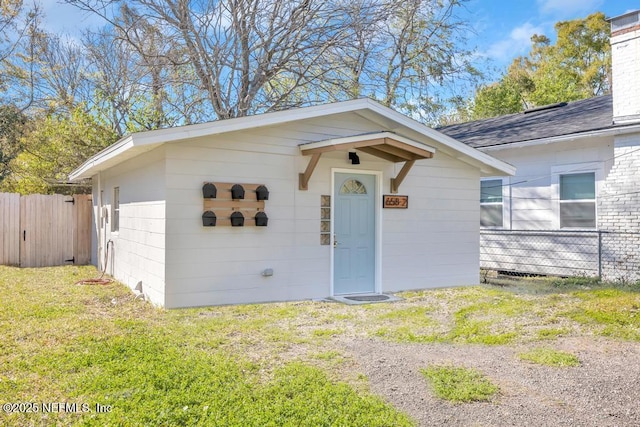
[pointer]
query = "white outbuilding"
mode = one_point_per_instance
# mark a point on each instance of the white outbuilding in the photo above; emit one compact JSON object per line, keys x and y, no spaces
{"x":339,"y":199}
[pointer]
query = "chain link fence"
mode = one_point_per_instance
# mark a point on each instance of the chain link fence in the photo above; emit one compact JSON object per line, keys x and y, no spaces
{"x":609,"y":255}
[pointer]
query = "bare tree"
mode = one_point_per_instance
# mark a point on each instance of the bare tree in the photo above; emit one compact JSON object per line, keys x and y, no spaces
{"x":235,"y":48}
{"x":17,"y":24}
{"x":14,"y":21}
{"x":246,"y":56}
{"x":408,"y":52}
{"x":113,"y":73}
{"x":135,"y":86}
{"x":61,"y":73}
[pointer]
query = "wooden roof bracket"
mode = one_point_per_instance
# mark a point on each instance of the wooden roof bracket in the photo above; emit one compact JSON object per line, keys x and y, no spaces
{"x":395,"y":182}
{"x":303,"y":178}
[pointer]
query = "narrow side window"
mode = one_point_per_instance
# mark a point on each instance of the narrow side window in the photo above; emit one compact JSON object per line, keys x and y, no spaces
{"x":491,"y":203}
{"x":115,"y":210}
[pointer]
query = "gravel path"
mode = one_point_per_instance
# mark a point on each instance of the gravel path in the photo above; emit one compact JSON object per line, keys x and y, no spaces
{"x":603,"y":391}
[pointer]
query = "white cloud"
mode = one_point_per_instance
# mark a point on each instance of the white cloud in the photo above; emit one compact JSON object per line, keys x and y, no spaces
{"x":63,"y":18}
{"x":567,"y":8}
{"x":518,"y":42}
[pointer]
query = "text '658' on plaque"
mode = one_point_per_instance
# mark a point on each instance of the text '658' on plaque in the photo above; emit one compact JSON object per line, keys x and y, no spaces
{"x":394,"y":201}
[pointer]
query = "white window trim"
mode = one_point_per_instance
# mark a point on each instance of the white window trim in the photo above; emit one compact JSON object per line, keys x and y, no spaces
{"x":597,"y":168}
{"x":506,"y":214}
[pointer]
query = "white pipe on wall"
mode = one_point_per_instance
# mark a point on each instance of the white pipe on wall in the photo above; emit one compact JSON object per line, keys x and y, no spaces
{"x":100,"y":224}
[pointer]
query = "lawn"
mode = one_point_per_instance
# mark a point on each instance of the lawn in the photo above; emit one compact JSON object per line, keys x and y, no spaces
{"x":93,"y":355}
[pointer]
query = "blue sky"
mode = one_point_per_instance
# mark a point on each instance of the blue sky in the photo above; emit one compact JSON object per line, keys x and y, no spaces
{"x":503,"y":28}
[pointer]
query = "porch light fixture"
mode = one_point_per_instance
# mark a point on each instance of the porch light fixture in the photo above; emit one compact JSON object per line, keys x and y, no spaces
{"x":355,"y":160}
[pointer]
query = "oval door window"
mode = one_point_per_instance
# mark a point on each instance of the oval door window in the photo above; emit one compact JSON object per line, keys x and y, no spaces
{"x":353,"y":186}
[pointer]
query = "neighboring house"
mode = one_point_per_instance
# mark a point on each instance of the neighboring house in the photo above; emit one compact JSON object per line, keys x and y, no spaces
{"x":327,"y":232}
{"x":578,"y":169}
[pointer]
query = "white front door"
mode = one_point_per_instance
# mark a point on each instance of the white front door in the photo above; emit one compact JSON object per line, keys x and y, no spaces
{"x":354,"y":233}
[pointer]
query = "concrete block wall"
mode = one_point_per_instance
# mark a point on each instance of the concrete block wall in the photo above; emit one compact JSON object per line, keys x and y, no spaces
{"x":619,"y":212}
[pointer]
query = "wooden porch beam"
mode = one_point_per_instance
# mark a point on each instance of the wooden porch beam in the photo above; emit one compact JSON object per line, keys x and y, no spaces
{"x":303,"y":178}
{"x":419,"y":152}
{"x":403,"y":154}
{"x":395,"y":182}
{"x":345,"y":146}
{"x":374,"y":151}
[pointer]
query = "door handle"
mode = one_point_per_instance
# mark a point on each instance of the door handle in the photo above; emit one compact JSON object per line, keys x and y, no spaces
{"x":335,"y":242}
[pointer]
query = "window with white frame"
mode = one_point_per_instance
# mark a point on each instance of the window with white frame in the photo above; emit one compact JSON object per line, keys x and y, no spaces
{"x":115,"y":210}
{"x":491,"y":206}
{"x":578,"y":200}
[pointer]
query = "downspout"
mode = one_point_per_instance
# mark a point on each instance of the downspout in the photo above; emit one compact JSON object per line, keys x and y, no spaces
{"x":99,"y":225}
{"x":510,"y":204}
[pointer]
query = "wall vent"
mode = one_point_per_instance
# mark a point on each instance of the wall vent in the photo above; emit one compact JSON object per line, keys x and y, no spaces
{"x":625,"y":21}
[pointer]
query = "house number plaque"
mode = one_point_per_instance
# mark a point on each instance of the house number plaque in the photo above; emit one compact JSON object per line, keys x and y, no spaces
{"x":395,"y":202}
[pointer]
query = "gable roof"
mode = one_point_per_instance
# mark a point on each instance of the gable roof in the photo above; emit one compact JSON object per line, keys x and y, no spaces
{"x":388,"y":119}
{"x":556,"y":121}
{"x":386,"y":145}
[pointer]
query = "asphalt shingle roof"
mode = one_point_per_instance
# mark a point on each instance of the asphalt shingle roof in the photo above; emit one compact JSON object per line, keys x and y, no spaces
{"x":575,"y":117}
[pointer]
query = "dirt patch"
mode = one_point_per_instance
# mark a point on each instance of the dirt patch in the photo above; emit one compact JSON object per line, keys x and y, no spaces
{"x":603,"y":391}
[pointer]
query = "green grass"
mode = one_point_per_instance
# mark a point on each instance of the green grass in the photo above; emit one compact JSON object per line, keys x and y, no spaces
{"x":474,"y":316}
{"x":61,"y":342}
{"x":219,"y":366}
{"x":611,"y":312}
{"x":552,"y":333}
{"x":550,"y":357}
{"x":412,"y":324}
{"x":326,"y":332}
{"x":459,"y":385}
{"x":526,"y":311}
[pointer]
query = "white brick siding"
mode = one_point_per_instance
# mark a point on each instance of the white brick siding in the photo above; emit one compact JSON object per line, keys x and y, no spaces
{"x":619,"y":212}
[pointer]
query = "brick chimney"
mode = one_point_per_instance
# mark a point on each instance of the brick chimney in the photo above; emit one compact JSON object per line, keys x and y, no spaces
{"x":619,"y":200}
{"x":625,"y":67}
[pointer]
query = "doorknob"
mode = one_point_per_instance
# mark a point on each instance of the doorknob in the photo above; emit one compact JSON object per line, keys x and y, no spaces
{"x":335,"y":242}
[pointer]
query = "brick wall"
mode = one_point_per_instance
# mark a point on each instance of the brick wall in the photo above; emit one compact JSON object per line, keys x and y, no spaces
{"x":619,"y":212}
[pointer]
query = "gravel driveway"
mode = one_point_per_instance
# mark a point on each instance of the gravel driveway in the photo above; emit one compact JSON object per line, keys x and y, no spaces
{"x":603,"y":391}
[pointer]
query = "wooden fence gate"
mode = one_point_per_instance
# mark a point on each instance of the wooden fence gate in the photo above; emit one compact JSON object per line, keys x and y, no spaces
{"x":45,"y":230}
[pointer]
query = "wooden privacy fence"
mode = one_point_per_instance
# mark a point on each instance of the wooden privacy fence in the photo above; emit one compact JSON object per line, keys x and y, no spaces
{"x":45,"y":230}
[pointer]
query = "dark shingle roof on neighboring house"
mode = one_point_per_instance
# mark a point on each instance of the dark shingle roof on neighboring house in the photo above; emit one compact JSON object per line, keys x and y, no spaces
{"x":586,"y":115}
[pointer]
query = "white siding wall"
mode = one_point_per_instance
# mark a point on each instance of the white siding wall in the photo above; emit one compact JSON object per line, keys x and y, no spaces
{"x":434,"y":243}
{"x":223,"y":265}
{"x":617,"y":165}
{"x":534,"y":204}
{"x":138,"y":250}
